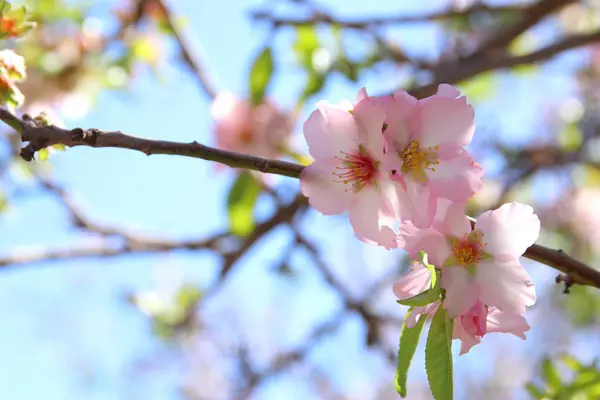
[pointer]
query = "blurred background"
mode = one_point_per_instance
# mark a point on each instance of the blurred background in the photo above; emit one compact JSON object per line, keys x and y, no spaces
{"x":132,"y":277}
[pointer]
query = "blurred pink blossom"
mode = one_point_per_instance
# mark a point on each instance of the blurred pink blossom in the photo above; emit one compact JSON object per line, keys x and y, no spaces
{"x":261,"y":130}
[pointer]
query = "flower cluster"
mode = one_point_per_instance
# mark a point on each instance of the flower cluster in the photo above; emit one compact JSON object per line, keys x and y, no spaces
{"x":399,"y":167}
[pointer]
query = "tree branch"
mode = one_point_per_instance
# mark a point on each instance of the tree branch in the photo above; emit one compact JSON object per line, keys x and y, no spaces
{"x":42,"y":136}
{"x":320,"y":17}
{"x":529,"y":17}
{"x":457,"y":73}
{"x":186,"y":53}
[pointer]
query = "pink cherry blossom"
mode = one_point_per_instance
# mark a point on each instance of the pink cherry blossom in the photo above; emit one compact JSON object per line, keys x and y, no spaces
{"x":480,"y":320}
{"x":425,"y":140}
{"x":348,"y":173}
{"x":261,"y":130}
{"x":480,"y":263}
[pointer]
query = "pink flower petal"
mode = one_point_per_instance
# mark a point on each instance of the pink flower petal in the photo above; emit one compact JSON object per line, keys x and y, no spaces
{"x":443,"y":120}
{"x":450,"y":218}
{"x":324,"y":194}
{"x":499,"y":321}
{"x":462,"y":290}
{"x":329,"y":131}
{"x":446,"y":90}
{"x":427,"y":311}
{"x":457,"y":178}
{"x":417,"y":203}
{"x":368,"y":220}
{"x":413,"y":240}
{"x":505,"y":285}
{"x":361,"y":95}
{"x":397,"y":133}
{"x":416,"y":281}
{"x":467,"y":340}
{"x":509,"y":230}
{"x":370,"y":116}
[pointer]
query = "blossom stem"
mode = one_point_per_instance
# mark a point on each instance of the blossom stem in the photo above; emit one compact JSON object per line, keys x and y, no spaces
{"x":43,"y":136}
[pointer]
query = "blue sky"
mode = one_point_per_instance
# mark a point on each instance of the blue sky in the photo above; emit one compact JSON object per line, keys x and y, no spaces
{"x":68,"y":333}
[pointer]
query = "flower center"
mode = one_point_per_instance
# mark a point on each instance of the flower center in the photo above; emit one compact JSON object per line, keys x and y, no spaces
{"x":8,"y":25}
{"x":468,"y":251}
{"x":246,"y":136}
{"x":415,"y":160}
{"x":357,"y":169}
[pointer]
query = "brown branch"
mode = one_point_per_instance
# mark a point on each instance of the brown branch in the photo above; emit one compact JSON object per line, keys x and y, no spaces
{"x":188,"y":57}
{"x":529,"y":17}
{"x":107,"y":249}
{"x":320,"y":17}
{"x":41,"y":136}
{"x":284,"y":360}
{"x":458,"y":73}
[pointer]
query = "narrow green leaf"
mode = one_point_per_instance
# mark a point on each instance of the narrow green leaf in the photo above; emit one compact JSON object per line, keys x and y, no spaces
{"x":438,"y":356}
{"x":307,"y":42}
{"x":550,"y":375}
{"x":409,"y":339}
{"x":534,"y":391}
{"x":571,"y":362}
{"x":314,"y":84}
{"x":240,"y":203}
{"x":422,"y":299}
{"x":431,"y":268}
{"x":260,"y":74}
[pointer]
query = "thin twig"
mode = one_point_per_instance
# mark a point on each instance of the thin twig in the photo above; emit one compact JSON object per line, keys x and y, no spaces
{"x":449,"y":73}
{"x":529,"y":17}
{"x":363,"y":23}
{"x":190,"y":59}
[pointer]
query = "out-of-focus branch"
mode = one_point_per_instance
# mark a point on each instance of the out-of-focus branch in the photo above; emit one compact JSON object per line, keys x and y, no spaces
{"x":364,"y":23}
{"x":78,"y":218}
{"x":528,"y":18}
{"x":187,"y":55}
{"x":42,"y":136}
{"x":371,"y":320}
{"x":107,"y":248}
{"x":450,"y":73}
{"x":284,"y":360}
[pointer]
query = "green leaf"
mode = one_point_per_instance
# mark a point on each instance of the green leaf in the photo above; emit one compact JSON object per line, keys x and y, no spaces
{"x":550,"y":375}
{"x":570,"y":137}
{"x":430,"y":267}
{"x":438,"y":356}
{"x":307,"y":42}
{"x":43,"y":154}
{"x":260,"y":74}
{"x":240,"y":204}
{"x":348,"y":69}
{"x":534,"y":391}
{"x":409,"y":339}
{"x":314,"y":84}
{"x":422,"y":299}
{"x":188,"y":296}
{"x":571,"y":362}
